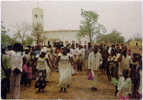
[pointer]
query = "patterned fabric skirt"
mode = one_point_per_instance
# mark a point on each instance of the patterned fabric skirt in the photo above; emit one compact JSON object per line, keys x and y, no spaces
{"x":40,"y":79}
{"x":124,"y":98}
{"x":65,"y":75}
{"x":41,"y":73}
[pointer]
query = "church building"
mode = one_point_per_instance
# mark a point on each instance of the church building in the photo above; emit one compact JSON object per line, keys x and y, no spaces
{"x":53,"y":35}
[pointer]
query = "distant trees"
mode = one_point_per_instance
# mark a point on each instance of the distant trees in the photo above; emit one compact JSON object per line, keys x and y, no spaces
{"x":89,"y":26}
{"x":23,"y":33}
{"x":113,"y":37}
{"x":4,"y":37}
{"x":28,"y":41}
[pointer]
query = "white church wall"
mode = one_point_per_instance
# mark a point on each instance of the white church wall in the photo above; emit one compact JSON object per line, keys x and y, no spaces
{"x":64,"y":36}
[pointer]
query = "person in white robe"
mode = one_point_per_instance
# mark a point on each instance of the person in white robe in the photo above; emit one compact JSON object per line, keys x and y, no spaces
{"x":94,"y":61}
{"x":48,"y":69}
{"x":72,"y":63}
{"x":65,"y":72}
{"x":83,"y":57}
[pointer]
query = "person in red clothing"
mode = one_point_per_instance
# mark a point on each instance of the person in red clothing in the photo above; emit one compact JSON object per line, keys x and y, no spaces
{"x":24,"y":72}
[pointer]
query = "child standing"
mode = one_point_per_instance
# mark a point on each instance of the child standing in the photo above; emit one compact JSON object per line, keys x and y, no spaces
{"x":124,"y":86}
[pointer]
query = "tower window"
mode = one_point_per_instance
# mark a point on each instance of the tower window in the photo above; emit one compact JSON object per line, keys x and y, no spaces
{"x":36,"y":15}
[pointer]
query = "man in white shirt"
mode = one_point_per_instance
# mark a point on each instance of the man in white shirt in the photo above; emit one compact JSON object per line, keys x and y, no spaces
{"x":94,"y":61}
{"x":109,"y":50}
{"x":44,"y":49}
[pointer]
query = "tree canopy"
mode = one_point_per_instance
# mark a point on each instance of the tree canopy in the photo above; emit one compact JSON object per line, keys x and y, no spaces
{"x":23,"y":33}
{"x":90,"y":26}
{"x":5,"y":39}
{"x":113,"y":37}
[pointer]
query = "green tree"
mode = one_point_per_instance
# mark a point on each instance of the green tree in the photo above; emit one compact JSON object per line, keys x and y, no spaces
{"x":90,"y":26}
{"x":12,"y":41}
{"x":28,"y":41}
{"x":113,"y":37}
{"x":4,"y":37}
{"x":4,"y":40}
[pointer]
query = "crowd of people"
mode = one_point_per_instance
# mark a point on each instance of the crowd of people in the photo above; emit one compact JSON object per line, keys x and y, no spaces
{"x":21,"y":65}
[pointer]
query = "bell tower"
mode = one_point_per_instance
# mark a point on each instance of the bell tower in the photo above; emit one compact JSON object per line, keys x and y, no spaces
{"x":37,"y":18}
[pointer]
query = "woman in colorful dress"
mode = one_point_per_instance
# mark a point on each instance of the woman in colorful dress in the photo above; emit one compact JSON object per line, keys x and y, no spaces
{"x":41,"y":72}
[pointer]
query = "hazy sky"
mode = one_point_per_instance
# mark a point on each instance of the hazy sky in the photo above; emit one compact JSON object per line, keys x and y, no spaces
{"x":125,"y":17}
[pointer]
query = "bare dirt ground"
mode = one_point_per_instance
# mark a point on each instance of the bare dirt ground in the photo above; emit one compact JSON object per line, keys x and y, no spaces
{"x":79,"y":89}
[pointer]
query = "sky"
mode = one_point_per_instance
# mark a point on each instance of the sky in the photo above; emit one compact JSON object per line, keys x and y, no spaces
{"x":125,"y":17}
